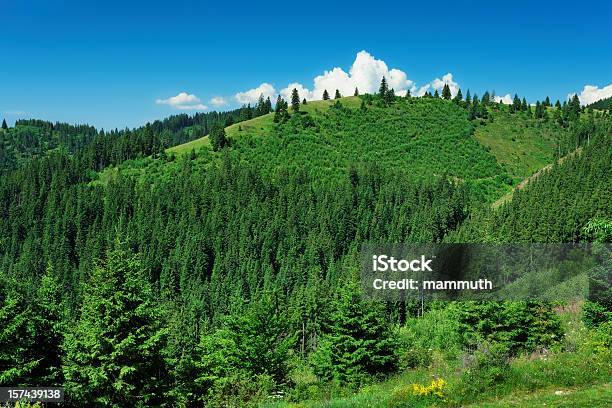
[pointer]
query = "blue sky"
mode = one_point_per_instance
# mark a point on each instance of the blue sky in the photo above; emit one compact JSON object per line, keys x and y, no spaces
{"x":115,"y":64}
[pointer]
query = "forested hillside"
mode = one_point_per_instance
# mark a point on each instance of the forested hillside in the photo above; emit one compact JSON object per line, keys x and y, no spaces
{"x":31,"y":139}
{"x":224,"y":272}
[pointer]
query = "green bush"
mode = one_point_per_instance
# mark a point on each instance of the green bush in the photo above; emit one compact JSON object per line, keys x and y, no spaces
{"x":519,"y":326}
{"x":484,"y":369}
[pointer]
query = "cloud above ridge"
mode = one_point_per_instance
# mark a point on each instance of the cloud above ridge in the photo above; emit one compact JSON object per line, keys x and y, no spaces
{"x":183,"y":101}
{"x":592,"y":93}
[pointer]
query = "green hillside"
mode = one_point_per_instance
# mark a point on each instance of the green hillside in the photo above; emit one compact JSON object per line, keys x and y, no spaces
{"x":137,"y":275}
{"x":601,"y":104}
{"x":419,"y":137}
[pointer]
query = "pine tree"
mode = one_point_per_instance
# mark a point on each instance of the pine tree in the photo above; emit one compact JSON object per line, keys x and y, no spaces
{"x":114,"y":353}
{"x":486,"y":99}
{"x":436,"y":94}
{"x":337,"y":95}
{"x":524,"y":105}
{"x":558,"y":104}
{"x":295,"y":100}
{"x":325,"y":95}
{"x":217,"y":137}
{"x":468,"y":98}
{"x":408,"y":95}
{"x":268,"y":105}
{"x":516,"y":104}
{"x":4,"y":125}
{"x":304,"y":102}
{"x":459,"y":96}
{"x":446,"y":92}
{"x":356,"y":93}
{"x":357,"y":342}
{"x":547,"y":102}
{"x":383,"y":89}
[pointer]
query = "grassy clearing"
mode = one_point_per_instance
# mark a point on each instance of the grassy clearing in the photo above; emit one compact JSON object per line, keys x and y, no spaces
{"x":596,"y":396}
{"x":576,"y":373}
{"x":522,"y":144}
{"x":259,"y":126}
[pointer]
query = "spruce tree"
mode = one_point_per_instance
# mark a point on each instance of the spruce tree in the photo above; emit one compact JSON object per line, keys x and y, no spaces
{"x":217,"y":137}
{"x":304,"y":102}
{"x":446,"y":92}
{"x":524,"y":105}
{"x":383,"y":89}
{"x":468,"y":98}
{"x":486,"y":98}
{"x":356,"y":93}
{"x":295,"y":100}
{"x":459,"y":96}
{"x":436,"y":94}
{"x":337,"y":95}
{"x":325,"y":95}
{"x":114,"y":352}
{"x":408,"y":95}
{"x":357,"y":342}
{"x":4,"y":125}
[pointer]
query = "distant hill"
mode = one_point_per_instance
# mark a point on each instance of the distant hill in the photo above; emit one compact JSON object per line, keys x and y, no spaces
{"x":601,"y":104}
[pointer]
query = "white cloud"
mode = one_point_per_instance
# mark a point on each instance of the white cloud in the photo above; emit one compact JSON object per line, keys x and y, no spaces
{"x":592,"y":93}
{"x":419,"y":91}
{"x":365,"y":74}
{"x":303,"y":92}
{"x":183,"y":101}
{"x":218,"y":101}
{"x":506,"y":99}
{"x":252,"y":95}
{"x":446,"y":80}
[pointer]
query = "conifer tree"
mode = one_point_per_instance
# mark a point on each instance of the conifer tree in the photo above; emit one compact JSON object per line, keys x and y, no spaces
{"x":446,"y":92}
{"x":114,"y":353}
{"x":468,"y":98}
{"x":547,"y":102}
{"x":356,"y":93}
{"x":337,"y":95}
{"x":459,"y":96}
{"x":295,"y":100}
{"x":30,"y":332}
{"x":357,"y":342}
{"x":436,"y":94}
{"x":325,"y":95}
{"x":486,"y":99}
{"x":524,"y":105}
{"x":408,"y":95}
{"x":383,"y":89}
{"x":304,"y":102}
{"x":218,"y":139}
{"x":4,"y":125}
{"x":268,"y":105}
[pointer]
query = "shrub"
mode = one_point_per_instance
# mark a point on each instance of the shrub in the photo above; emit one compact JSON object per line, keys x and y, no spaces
{"x":487,"y":366}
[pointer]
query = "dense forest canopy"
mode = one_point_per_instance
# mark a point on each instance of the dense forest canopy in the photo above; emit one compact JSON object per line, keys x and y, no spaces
{"x":206,"y":277}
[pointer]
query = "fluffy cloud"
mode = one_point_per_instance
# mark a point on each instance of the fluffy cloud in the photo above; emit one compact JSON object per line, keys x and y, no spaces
{"x":365,"y":74}
{"x":183,"y":101}
{"x":303,"y":92}
{"x":252,"y":95}
{"x":446,"y":80}
{"x":592,"y":93}
{"x":506,"y":99}
{"x":218,"y":101}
